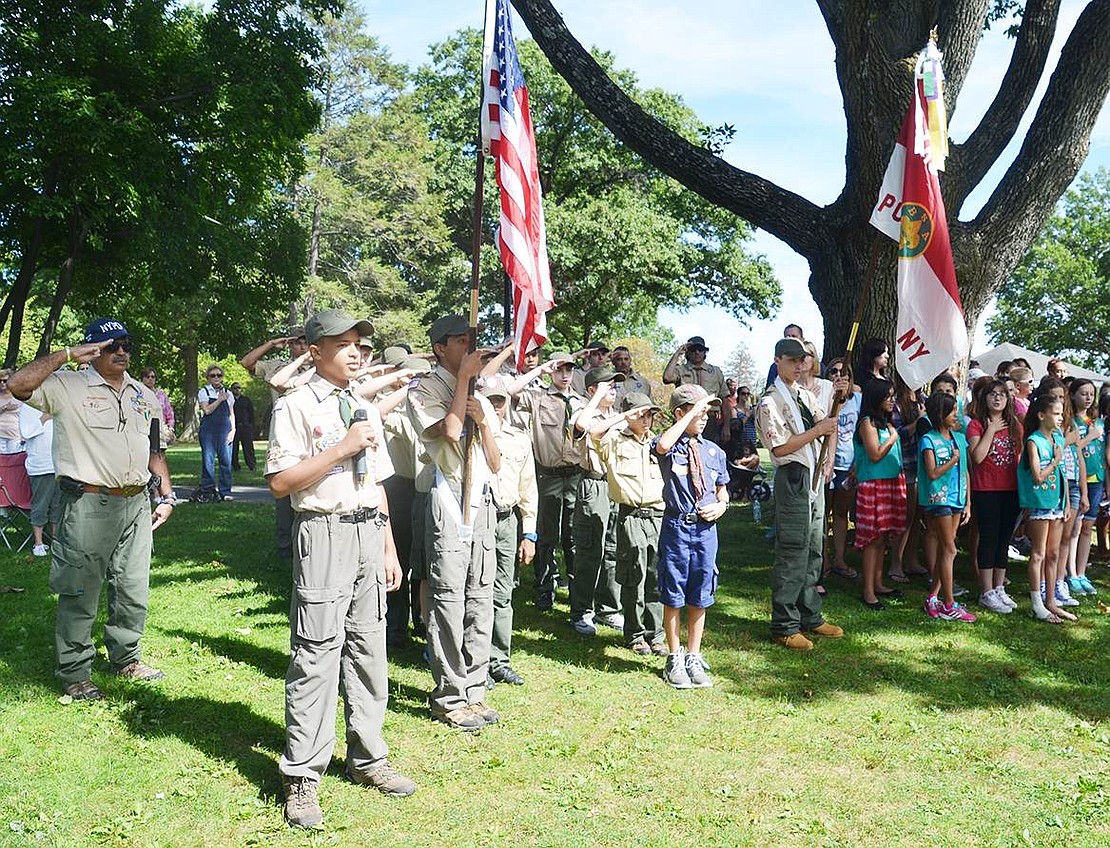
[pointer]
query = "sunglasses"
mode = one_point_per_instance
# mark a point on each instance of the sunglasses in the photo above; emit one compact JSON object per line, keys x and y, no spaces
{"x":215,"y":374}
{"x":118,"y":344}
{"x":835,"y":372}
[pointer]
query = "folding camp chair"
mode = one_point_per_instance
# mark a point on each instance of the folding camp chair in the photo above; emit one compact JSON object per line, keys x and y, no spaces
{"x":15,"y":500}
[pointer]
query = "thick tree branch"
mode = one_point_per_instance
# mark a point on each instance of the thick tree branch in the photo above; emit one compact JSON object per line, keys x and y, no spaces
{"x":789,"y":216}
{"x":959,"y":30}
{"x":1057,"y":141}
{"x":971,"y":160}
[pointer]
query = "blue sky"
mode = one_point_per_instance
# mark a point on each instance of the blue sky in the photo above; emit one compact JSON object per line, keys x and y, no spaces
{"x":767,"y":69}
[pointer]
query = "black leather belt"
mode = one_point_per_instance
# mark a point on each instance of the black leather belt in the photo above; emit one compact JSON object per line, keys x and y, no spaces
{"x":593,"y":475}
{"x":685,"y":517}
{"x":359,"y":516}
{"x":624,"y":510}
{"x":559,"y":470}
{"x":503,"y":514}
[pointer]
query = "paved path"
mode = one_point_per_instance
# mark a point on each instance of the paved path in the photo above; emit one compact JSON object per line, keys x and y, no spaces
{"x":246,"y":494}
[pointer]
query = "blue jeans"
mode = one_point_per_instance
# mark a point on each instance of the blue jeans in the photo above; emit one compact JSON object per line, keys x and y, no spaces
{"x":213,"y":443}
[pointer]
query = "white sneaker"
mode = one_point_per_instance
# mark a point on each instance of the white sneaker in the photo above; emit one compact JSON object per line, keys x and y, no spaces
{"x":614,"y":620}
{"x":1063,"y":596}
{"x":1004,"y":596}
{"x":990,"y":600}
{"x":40,"y":550}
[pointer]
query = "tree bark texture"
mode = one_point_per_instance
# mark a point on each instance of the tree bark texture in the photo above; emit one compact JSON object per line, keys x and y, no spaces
{"x":876,"y":45}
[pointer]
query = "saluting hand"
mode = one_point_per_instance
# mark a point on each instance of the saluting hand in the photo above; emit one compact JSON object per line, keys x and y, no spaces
{"x":86,"y":353}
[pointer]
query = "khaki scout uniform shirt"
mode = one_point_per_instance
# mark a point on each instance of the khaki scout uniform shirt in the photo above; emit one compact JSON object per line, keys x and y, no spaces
{"x":633,"y":382}
{"x":101,"y":436}
{"x":775,"y":424}
{"x":515,"y":483}
{"x":549,"y":425}
{"x":407,"y":453}
{"x":709,"y":377}
{"x":265,"y":369}
{"x":632,"y":469}
{"x":306,"y":422}
{"x":429,"y":400}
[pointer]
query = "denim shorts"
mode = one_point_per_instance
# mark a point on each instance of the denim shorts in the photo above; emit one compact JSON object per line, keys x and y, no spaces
{"x":935,"y":511}
{"x":1074,"y":495}
{"x":1045,"y":514}
{"x":1094,"y":494}
{"x":839,"y":481}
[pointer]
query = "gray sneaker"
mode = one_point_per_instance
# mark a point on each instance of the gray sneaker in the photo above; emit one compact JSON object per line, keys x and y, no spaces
{"x":695,"y":669}
{"x":385,"y":779}
{"x":675,"y":672}
{"x":302,"y":809}
{"x":584,"y":627}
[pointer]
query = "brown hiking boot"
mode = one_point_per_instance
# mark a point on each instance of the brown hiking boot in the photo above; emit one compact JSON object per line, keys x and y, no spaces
{"x":83,"y":690}
{"x":459,"y":719}
{"x":829,"y":631}
{"x":140,"y":671}
{"x":486,"y":714}
{"x":302,"y":809}
{"x":385,"y":779}
{"x":795,"y":642}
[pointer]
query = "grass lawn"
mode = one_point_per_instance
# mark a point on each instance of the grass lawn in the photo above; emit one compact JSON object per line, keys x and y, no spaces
{"x":907,"y":732}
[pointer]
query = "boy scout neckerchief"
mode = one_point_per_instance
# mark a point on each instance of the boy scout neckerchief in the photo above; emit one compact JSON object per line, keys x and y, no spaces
{"x":697,"y":481}
{"x":346,"y":414}
{"x":803,"y":417}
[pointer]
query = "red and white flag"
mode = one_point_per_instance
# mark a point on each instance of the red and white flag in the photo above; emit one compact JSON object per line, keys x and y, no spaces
{"x":931,"y":331}
{"x":508,"y":136}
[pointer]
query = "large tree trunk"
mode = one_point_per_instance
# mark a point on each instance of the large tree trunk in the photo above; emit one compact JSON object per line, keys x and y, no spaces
{"x":189,"y":423}
{"x":875,"y":52}
{"x":21,"y":290}
{"x":78,"y":229}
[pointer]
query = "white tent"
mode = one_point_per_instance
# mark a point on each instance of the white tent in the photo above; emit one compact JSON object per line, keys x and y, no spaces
{"x":988,"y":361}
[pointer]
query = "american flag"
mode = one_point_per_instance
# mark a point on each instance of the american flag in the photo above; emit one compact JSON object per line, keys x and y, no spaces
{"x":507,"y":135}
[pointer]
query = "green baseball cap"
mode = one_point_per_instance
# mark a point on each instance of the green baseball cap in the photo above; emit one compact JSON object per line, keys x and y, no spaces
{"x":447,"y":326}
{"x":638,"y":400}
{"x":334,"y":322}
{"x":602,"y":375}
{"x":791,"y":348}
{"x":691,"y":393}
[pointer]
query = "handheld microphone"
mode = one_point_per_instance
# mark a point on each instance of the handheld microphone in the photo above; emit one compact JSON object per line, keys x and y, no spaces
{"x":360,"y":457}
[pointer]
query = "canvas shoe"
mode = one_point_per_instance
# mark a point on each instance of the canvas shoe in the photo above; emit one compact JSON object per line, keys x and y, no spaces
{"x":302,"y":807}
{"x":696,"y":669}
{"x":385,"y":779}
{"x":40,"y":550}
{"x":675,"y":672}
{"x":1075,"y":586}
{"x":1063,"y":597}
{"x":956,"y":612}
{"x":1088,"y":586}
{"x":990,"y":600}
{"x":932,"y":606}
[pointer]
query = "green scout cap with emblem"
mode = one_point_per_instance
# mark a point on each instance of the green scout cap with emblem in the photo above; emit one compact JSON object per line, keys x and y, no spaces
{"x":598,"y":346}
{"x":691,"y":393}
{"x":791,"y":348}
{"x":415,"y":363}
{"x":638,"y":400}
{"x":447,"y":326}
{"x":394,"y":355}
{"x":601,"y":375}
{"x":494,"y":386}
{"x":562,"y":357}
{"x":696,"y":342}
{"x":334,"y":322}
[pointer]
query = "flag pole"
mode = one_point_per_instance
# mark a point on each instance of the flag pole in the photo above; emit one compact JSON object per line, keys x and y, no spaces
{"x":861,"y":307}
{"x":472,"y":335}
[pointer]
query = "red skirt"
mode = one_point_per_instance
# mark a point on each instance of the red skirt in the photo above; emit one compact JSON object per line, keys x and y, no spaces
{"x":880,"y":508}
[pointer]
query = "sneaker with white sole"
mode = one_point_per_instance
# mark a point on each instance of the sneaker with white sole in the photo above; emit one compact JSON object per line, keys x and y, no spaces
{"x":1075,"y":586}
{"x":1088,"y":586}
{"x":932,"y":606}
{"x":696,"y":669}
{"x":40,"y":550}
{"x":613,"y":619}
{"x":958,"y":591}
{"x":1063,"y":596}
{"x":584,"y":627}
{"x":675,"y":673}
{"x":956,"y":612}
{"x":990,"y":600}
{"x":1004,"y":596}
